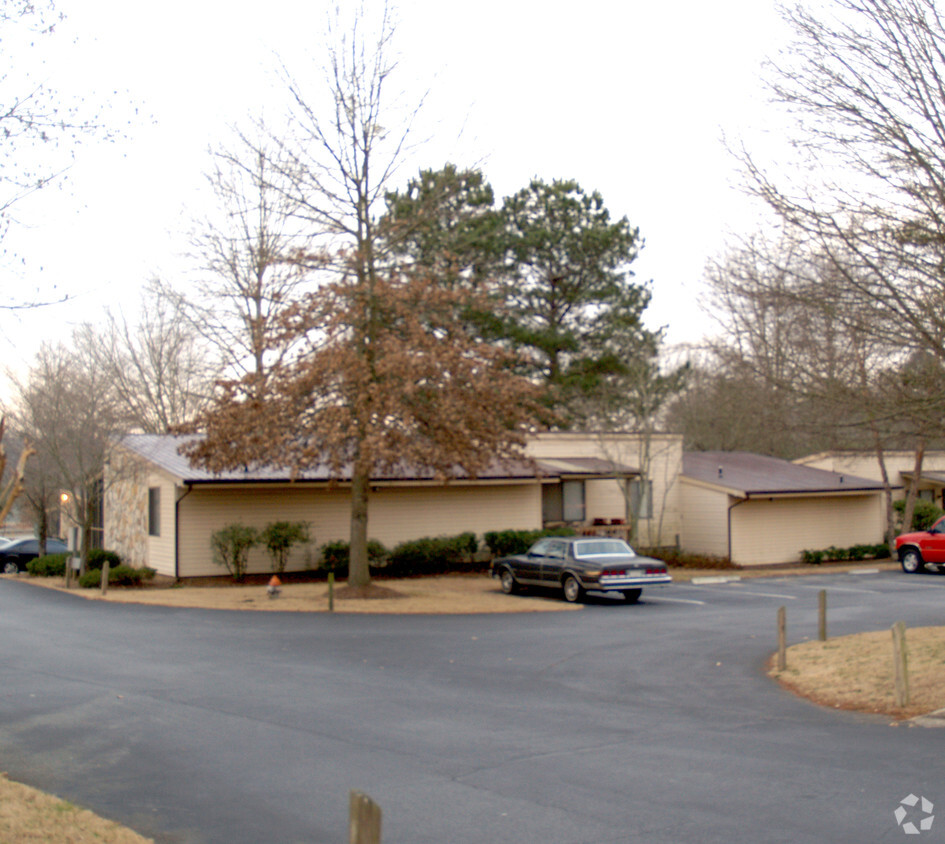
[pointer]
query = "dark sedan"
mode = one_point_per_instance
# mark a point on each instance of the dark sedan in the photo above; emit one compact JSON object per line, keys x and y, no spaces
{"x":16,"y":554}
{"x":579,"y":564}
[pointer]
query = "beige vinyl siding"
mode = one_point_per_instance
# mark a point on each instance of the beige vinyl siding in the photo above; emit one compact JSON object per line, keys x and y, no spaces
{"x":395,"y":514}
{"x":161,"y":548}
{"x":627,"y":449}
{"x":604,"y":499}
{"x":776,"y":531}
{"x":705,"y":519}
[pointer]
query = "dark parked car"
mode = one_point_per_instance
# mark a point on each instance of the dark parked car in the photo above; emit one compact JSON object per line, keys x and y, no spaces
{"x":16,"y":554}
{"x":579,"y":564}
{"x":923,"y":549}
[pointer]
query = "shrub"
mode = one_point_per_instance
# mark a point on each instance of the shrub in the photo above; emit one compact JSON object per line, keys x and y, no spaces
{"x":98,"y":556}
{"x":505,"y":543}
{"x":52,"y":565}
{"x":685,"y":559}
{"x":121,"y":575}
{"x":335,"y":556}
{"x":923,"y":517}
{"x":231,"y":546}
{"x":879,"y":551}
{"x":436,"y":555}
{"x":280,"y":537}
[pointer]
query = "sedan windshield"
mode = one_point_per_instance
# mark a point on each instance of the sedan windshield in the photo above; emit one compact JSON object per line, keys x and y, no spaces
{"x":600,"y":547}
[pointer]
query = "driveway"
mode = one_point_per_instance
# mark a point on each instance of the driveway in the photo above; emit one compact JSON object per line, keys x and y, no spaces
{"x":617,"y":723}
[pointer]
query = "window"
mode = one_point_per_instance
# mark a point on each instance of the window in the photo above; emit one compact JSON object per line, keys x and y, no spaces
{"x":154,"y":511}
{"x":572,"y":494}
{"x":641,"y":499}
{"x":563,"y":502}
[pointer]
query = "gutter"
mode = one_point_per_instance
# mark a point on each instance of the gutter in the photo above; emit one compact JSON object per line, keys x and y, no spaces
{"x":190,"y":489}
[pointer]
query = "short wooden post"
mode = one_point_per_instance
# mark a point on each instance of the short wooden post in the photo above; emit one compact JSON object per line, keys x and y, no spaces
{"x":822,"y":616}
{"x":782,"y":638}
{"x":364,"y":820}
{"x":331,"y":591}
{"x":900,"y":663}
{"x":105,"y":577}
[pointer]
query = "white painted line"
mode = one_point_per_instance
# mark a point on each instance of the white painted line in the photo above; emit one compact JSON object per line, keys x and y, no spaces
{"x":841,"y":589}
{"x":863,"y":571}
{"x":647,"y":599}
{"x":764,"y":594}
{"x":738,"y":589}
{"x":697,"y":581}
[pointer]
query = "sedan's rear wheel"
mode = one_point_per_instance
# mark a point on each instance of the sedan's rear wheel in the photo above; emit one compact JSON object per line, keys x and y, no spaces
{"x":507,"y":581}
{"x":572,"y":589}
{"x":10,"y":568}
{"x":631,"y":596}
{"x":911,"y":561}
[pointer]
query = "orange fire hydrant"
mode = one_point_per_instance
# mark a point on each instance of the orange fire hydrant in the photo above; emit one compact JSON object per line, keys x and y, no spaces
{"x":274,"y":587}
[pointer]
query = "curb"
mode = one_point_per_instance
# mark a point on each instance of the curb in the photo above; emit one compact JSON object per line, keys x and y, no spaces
{"x":933,"y":719}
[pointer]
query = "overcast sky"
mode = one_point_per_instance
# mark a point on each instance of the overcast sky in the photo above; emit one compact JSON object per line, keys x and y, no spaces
{"x":631,"y":99}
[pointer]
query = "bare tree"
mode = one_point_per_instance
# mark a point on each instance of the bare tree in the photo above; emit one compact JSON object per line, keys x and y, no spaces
{"x":68,"y":410}
{"x":159,"y":370}
{"x":864,"y":81}
{"x":247,"y":272}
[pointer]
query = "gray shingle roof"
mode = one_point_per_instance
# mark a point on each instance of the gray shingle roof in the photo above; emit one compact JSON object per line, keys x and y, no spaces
{"x":755,"y":474}
{"x":163,"y":450}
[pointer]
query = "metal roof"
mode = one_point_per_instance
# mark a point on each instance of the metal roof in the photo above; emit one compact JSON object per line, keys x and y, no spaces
{"x":756,"y":474}
{"x":163,"y":450}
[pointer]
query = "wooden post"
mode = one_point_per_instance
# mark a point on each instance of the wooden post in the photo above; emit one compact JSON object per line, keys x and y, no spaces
{"x":331,"y":591}
{"x":822,"y":616}
{"x":900,"y":663}
{"x":364,"y":820}
{"x":782,"y":639}
{"x":105,"y":577}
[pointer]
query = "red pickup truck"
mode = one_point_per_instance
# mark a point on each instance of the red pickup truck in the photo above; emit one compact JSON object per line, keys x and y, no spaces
{"x":922,"y":550}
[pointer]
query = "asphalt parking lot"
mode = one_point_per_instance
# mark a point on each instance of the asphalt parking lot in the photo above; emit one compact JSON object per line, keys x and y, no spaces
{"x":618,"y":723}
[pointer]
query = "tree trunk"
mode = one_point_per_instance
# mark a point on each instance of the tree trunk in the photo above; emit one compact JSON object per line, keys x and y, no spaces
{"x":911,"y":494}
{"x":359,"y":574}
{"x":887,"y":491}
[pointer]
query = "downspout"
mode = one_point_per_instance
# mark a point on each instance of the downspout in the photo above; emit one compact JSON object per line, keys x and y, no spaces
{"x":730,"y":508}
{"x":190,"y":489}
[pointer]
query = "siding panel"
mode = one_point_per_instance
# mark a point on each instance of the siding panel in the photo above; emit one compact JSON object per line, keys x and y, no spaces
{"x":395,"y":515}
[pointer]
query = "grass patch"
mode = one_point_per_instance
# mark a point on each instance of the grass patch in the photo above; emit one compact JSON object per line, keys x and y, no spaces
{"x":856,"y":672}
{"x":30,"y":815}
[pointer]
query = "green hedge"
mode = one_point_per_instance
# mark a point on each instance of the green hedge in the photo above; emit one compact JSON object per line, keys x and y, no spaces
{"x":505,"y":543}
{"x":854,"y":553}
{"x":52,"y":565}
{"x":121,"y":575}
{"x":432,"y":555}
{"x":98,"y":556}
{"x":686,"y":559}
{"x":335,"y":556}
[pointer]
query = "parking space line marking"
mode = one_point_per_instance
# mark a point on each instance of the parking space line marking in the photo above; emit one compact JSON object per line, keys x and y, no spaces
{"x":739,"y":589}
{"x":674,"y":600}
{"x":841,"y":589}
